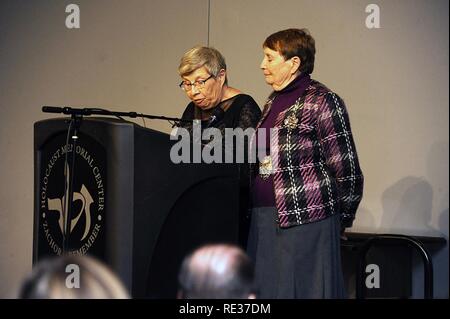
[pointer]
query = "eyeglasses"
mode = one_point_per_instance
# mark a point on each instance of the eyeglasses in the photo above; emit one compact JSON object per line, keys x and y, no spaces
{"x":199,"y":84}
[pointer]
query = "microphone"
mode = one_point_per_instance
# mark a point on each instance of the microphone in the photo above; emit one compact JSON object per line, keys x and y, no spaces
{"x":216,"y":117}
{"x":52,"y":109}
{"x":68,"y":110}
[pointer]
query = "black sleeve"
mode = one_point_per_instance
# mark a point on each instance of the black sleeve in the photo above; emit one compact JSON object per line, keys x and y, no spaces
{"x":250,"y":114}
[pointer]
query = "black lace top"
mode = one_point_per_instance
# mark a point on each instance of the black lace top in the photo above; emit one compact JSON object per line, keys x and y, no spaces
{"x":240,"y":111}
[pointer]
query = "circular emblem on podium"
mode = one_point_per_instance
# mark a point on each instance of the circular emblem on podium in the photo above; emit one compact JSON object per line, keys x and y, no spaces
{"x":81,"y":227}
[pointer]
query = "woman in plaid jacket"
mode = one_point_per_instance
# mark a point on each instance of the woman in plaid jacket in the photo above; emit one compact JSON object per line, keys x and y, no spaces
{"x":308,"y":185}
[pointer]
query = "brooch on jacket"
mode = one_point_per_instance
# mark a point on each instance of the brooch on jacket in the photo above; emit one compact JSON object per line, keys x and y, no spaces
{"x":265,"y":167}
{"x":291,"y":121}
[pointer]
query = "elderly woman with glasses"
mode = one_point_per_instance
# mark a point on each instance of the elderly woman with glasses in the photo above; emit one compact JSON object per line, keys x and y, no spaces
{"x":204,"y":80}
{"x":308,"y":185}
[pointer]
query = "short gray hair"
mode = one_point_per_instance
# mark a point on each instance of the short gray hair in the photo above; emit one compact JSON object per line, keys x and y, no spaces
{"x":200,"y":56}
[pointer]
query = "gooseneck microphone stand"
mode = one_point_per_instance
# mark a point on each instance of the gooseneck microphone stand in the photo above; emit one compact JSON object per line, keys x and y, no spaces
{"x":74,"y":125}
{"x":76,"y":117}
{"x":98,"y":111}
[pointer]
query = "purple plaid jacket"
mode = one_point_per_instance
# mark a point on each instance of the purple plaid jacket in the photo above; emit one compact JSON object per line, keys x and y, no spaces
{"x":316,"y":172}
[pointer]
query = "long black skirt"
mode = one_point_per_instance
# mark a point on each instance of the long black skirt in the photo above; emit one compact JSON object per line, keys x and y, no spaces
{"x":301,"y":262}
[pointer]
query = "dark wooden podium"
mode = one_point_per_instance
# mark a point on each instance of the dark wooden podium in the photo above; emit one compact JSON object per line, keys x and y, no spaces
{"x":132,"y":207}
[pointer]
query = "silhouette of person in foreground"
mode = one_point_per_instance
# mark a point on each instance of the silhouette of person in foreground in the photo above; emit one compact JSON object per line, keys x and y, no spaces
{"x":72,"y":277}
{"x":218,"y":271}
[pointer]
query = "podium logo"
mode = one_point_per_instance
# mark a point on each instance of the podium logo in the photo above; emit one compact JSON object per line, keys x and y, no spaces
{"x":88,"y":200}
{"x":84,"y":196}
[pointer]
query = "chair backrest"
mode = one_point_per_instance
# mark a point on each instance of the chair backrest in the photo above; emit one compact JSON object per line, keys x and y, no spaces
{"x":396,"y":239}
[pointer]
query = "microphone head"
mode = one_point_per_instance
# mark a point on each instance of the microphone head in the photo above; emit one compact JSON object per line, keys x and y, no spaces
{"x":52,"y":109}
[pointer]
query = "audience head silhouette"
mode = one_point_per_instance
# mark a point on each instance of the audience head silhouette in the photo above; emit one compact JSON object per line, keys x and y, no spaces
{"x":72,"y":277}
{"x":217,"y":271}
